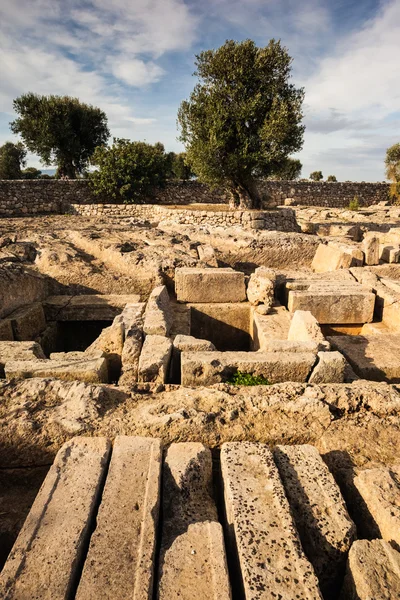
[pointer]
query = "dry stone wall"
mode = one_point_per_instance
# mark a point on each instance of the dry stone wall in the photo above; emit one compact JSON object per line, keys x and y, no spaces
{"x":19,"y":198}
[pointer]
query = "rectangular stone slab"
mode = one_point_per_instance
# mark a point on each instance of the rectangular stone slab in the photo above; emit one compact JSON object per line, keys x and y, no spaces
{"x":93,"y":307}
{"x":121,"y":553}
{"x":373,"y":572}
{"x":88,"y":370}
{"x":341,"y":306}
{"x":205,"y":368}
{"x":324,"y":525}
{"x":44,"y":561}
{"x":28,"y":321}
{"x":261,"y":527}
{"x":209,"y":285}
{"x":192,"y":560}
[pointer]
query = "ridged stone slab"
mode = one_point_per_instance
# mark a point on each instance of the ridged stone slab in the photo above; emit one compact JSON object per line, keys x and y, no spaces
{"x":270,"y":555}
{"x":192,"y":556}
{"x":120,"y":560}
{"x":324,"y":525}
{"x":44,"y":561}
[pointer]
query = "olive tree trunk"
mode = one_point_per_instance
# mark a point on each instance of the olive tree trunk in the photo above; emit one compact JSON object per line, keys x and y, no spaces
{"x":244,"y":196}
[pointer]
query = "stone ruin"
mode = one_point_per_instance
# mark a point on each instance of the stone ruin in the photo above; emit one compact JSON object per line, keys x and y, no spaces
{"x":132,"y":466}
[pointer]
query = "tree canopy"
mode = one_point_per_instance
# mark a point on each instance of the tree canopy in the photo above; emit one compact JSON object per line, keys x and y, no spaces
{"x":12,"y":158}
{"x":128,"y":171}
{"x":316,"y":176}
{"x":243,"y":118}
{"x":63,"y":131}
{"x":331,"y":178}
{"x":289,"y":170}
{"x":178,"y":168}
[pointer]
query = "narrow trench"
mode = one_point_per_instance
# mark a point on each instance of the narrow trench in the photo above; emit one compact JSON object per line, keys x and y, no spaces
{"x":157,"y":550}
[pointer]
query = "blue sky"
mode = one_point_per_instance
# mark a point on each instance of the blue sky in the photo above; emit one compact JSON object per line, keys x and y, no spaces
{"x":135,"y":59}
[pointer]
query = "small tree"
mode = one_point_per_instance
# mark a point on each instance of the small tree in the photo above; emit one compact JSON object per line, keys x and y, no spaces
{"x":289,"y":170}
{"x":243,"y":118}
{"x":128,"y":171}
{"x":12,"y":158}
{"x":61,"y":130}
{"x":316,"y":176}
{"x":331,"y":178}
{"x":392,"y":164}
{"x":31,"y":173}
{"x":179,"y":167}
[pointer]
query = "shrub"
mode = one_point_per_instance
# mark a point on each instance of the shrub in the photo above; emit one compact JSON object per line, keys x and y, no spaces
{"x":331,"y":178}
{"x":354,"y":204}
{"x":247,"y":379}
{"x":316,"y":176}
{"x":129,"y":172}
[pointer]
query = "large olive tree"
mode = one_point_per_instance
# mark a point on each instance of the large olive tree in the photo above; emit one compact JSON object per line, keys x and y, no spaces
{"x":243,"y":118}
{"x":63,"y":131}
{"x":12,"y":158}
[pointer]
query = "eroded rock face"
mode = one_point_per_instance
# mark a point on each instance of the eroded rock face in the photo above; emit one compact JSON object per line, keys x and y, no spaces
{"x":260,"y":289}
{"x":330,"y":368}
{"x":304,"y":327}
{"x":209,"y":285}
{"x":154,"y":359}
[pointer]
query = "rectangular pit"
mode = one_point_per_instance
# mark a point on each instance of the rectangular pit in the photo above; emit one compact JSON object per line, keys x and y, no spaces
{"x":226,"y":325}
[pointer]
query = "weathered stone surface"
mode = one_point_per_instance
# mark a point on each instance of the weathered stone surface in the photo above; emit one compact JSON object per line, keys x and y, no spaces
{"x":158,"y":316}
{"x":76,"y":355}
{"x":289,"y":346}
{"x":93,"y":307}
{"x":28,"y":321}
{"x":203,"y":368}
{"x":324,"y":525}
{"x":90,"y":370}
{"x":6,"y":330}
{"x":275,"y":326}
{"x":260,"y":289}
{"x":332,"y":257}
{"x":380,"y":490}
{"x":330,"y":368}
{"x":328,"y":307}
{"x":111,"y":343}
{"x":374,"y":357}
{"x":132,"y":315}
{"x":154,"y":359}
{"x":370,"y":246}
{"x":10,"y":351}
{"x":186,"y":343}
{"x":304,"y":327}
{"x":192,"y":555}
{"x":209,"y":285}
{"x":207,"y":255}
{"x":260,"y":524}
{"x":373,"y":572}
{"x":227,"y":325}
{"x":44,"y":560}
{"x":120,"y":560}
{"x":130,"y":356}
{"x":390,"y":254}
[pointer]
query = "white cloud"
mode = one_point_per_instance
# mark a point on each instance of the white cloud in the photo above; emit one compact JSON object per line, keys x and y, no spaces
{"x":136,"y":72}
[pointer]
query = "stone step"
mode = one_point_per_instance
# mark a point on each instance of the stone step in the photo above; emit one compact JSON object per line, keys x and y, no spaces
{"x":192,"y":555}
{"x":261,"y":527}
{"x":122,"y":547}
{"x":44,"y":562}
{"x":89,"y":370}
{"x":334,"y":306}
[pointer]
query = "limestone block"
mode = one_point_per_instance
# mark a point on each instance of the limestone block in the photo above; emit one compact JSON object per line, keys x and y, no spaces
{"x":111,"y":343}
{"x":330,"y":368}
{"x":76,"y":355}
{"x":304,"y":327}
{"x":93,"y":307}
{"x":158,"y":316}
{"x":26,"y":351}
{"x":132,"y":316}
{"x":320,"y":514}
{"x":329,"y":307}
{"x":154,"y":359}
{"x":209,"y":285}
{"x":207,"y":255}
{"x":261,"y":527}
{"x":186,"y":343}
{"x":260,"y":289}
{"x":274,"y":326}
{"x":272,"y":345}
{"x":28,"y":321}
{"x":192,"y":554}
{"x":203,"y":368}
{"x":44,"y":561}
{"x":90,"y":370}
{"x":130,"y":356}
{"x":120,"y":560}
{"x":373,"y":572}
{"x":6,"y":330}
{"x":380,"y":490}
{"x":370,"y":246}
{"x":332,"y":257}
{"x":390,"y":254}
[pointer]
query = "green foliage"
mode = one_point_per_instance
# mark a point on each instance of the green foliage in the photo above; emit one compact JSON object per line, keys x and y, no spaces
{"x":12,"y":157}
{"x":178,"y":167}
{"x":247,"y":379}
{"x":243,"y":118}
{"x":316,"y":176}
{"x":128,"y":171}
{"x":354,"y":204}
{"x":289,"y":170}
{"x":31,"y":173}
{"x":61,"y":130}
{"x":331,"y":178}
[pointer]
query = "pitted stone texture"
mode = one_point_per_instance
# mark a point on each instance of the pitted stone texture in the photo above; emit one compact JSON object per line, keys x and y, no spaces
{"x":260,"y":524}
{"x":44,"y":561}
{"x":330,"y":368}
{"x":10,"y":351}
{"x":192,"y":555}
{"x":260,"y":289}
{"x":204,"y":368}
{"x":28,"y":321}
{"x":271,"y":327}
{"x":304,"y":327}
{"x":158,"y":316}
{"x":76,"y":355}
{"x":111,"y":342}
{"x":120,"y":560}
{"x":207,"y":255}
{"x":373,"y":572}
{"x":209,"y":285}
{"x":187,"y":343}
{"x":370,"y":246}
{"x":132,"y":318}
{"x":90,"y":370}
{"x":289,"y":346}
{"x":154,"y":359}
{"x":332,"y":257}
{"x":330,"y":306}
{"x":324,"y":525}
{"x":380,"y":490}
